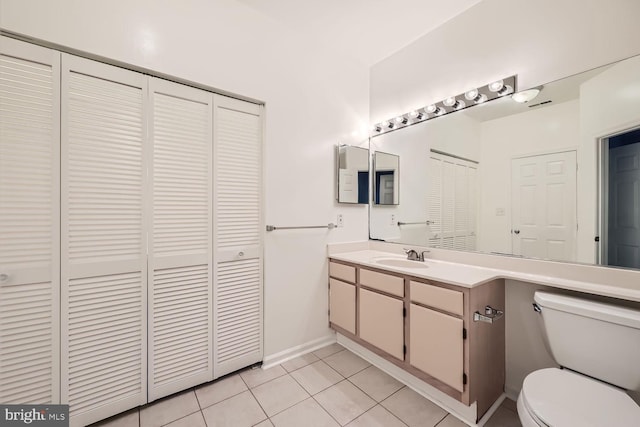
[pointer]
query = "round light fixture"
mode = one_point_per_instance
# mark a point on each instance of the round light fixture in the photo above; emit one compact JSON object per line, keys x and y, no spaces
{"x":496,"y":86}
{"x":430,"y":109}
{"x":471,"y":94}
{"x":449,"y":102}
{"x":525,"y":95}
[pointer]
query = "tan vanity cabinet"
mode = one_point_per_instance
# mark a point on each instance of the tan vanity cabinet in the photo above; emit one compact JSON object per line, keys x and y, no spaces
{"x":342,"y":296}
{"x":382,"y":322}
{"x":425,"y":327}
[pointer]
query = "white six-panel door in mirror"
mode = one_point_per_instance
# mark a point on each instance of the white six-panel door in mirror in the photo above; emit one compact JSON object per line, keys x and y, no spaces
{"x":543,"y":197}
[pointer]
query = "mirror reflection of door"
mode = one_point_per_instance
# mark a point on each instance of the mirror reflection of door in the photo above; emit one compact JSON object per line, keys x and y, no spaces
{"x":543,"y":199}
{"x":622,"y":241}
{"x":385,"y":185}
{"x":386,"y":168}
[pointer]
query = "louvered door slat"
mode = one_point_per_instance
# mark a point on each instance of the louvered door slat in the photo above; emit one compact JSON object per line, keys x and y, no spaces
{"x":103,"y":240}
{"x":29,"y":223}
{"x":473,"y":207}
{"x":434,"y":199}
{"x":238,"y":235}
{"x":180,"y":259}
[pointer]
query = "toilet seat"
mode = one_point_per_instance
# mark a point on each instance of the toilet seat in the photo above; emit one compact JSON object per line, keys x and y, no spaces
{"x":561,"y":398}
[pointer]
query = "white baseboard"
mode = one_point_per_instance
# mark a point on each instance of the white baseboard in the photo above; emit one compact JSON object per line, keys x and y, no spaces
{"x":512,"y":393}
{"x":464,"y":413}
{"x":491,"y":410}
{"x":293,"y":352}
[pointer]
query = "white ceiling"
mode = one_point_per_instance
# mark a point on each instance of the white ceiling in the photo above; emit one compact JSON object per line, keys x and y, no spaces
{"x":367,"y":30}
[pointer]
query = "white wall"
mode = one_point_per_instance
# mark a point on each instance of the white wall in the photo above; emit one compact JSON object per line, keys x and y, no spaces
{"x":314,"y":100}
{"x":547,"y":129}
{"x":540,"y":41}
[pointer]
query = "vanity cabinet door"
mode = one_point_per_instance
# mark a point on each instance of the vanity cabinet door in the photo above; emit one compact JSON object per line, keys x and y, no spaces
{"x":382,"y":322}
{"x":436,"y":345}
{"x":342,"y":305}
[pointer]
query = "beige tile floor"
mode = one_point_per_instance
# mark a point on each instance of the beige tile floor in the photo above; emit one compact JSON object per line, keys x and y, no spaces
{"x":327,"y":388}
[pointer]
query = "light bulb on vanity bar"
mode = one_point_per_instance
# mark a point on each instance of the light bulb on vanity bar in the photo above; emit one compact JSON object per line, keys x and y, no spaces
{"x":475,"y":96}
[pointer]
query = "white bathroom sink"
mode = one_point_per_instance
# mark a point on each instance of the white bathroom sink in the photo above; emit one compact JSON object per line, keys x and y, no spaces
{"x":403,"y":263}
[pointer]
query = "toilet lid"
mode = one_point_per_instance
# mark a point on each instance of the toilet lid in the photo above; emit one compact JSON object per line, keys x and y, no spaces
{"x":559,"y":398}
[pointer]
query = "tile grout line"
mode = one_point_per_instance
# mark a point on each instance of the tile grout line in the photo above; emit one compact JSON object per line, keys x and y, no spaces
{"x":324,"y":409}
{"x":312,"y":396}
{"x":440,"y":422}
{"x":379,"y":403}
{"x":254,"y":396}
{"x":193,"y":390}
{"x":226,"y":398}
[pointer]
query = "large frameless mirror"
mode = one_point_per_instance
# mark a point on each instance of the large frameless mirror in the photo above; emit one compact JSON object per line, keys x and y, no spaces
{"x":556,"y":177}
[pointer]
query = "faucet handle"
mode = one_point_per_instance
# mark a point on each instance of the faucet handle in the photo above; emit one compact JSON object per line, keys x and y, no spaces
{"x":412,"y":254}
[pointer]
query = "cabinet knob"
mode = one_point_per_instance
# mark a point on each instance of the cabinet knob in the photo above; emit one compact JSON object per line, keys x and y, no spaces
{"x":240,"y":253}
{"x":4,"y":277}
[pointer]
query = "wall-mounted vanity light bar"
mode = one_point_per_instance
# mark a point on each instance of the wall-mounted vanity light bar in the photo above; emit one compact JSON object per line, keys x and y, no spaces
{"x":470,"y":98}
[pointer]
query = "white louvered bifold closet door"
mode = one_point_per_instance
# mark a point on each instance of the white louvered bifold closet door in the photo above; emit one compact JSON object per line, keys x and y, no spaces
{"x":452,"y":202}
{"x":29,"y":223}
{"x":103,"y":240}
{"x":238,"y":235}
{"x":180,"y":255}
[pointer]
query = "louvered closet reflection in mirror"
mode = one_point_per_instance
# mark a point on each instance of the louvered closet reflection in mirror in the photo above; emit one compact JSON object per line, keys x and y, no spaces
{"x":502,"y":177}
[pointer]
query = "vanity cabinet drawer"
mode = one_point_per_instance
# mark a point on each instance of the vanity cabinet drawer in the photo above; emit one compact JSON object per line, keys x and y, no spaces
{"x":393,"y":285}
{"x":443,"y":299}
{"x":342,"y":272}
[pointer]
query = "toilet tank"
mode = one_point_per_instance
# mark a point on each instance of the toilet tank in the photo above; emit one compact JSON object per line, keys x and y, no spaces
{"x":596,"y":339}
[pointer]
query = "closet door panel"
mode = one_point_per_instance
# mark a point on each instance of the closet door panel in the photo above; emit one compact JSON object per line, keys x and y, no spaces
{"x":103,"y":240}
{"x":29,"y":223}
{"x":238,"y":235}
{"x":180,"y":259}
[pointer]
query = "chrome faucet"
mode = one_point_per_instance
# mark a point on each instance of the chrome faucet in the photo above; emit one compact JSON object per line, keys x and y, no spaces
{"x":413,"y":255}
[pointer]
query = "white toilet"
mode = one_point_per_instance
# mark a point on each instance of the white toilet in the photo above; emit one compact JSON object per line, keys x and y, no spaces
{"x":598,"y":347}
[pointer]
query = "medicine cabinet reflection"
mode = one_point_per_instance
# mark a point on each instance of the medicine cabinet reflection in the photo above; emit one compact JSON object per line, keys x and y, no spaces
{"x":352,"y":174}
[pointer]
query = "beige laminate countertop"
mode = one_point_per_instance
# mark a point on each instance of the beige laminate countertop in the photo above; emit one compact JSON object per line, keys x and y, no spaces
{"x":470,"y":276}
